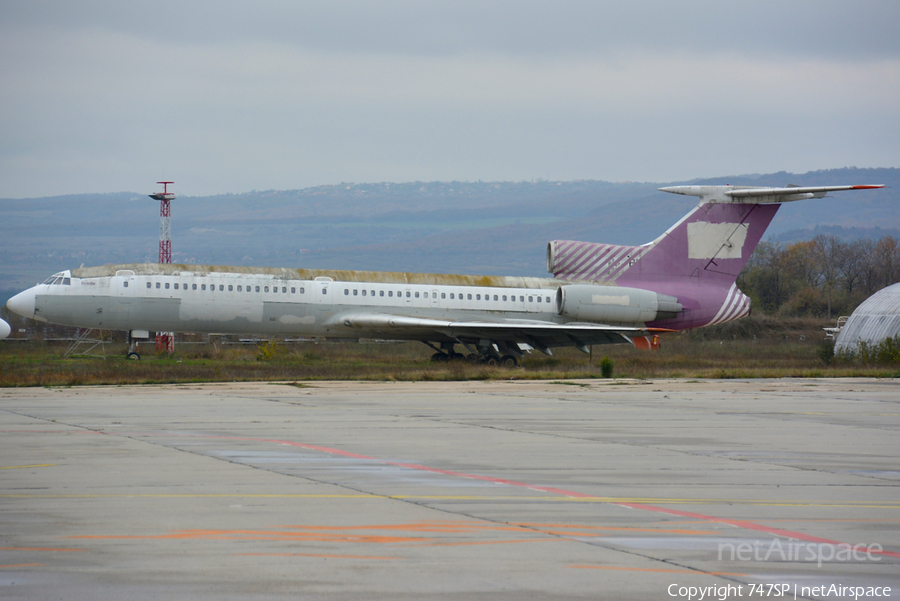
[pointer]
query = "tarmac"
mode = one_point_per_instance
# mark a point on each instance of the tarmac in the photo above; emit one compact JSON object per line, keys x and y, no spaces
{"x":497,"y":490}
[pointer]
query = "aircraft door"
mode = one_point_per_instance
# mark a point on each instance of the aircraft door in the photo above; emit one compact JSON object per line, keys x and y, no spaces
{"x":407,"y":300}
{"x":323,"y":293}
{"x":124,"y":284}
{"x":435,"y":302}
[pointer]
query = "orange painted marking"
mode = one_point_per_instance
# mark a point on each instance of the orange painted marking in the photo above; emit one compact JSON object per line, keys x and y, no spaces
{"x":658,"y":570}
{"x":496,"y":542}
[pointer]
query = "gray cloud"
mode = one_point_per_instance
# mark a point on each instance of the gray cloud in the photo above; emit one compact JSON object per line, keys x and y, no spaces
{"x":225,"y":96}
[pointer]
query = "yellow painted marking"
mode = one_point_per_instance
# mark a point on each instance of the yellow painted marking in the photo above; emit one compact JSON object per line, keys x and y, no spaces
{"x":39,"y":549}
{"x":19,"y":467}
{"x":658,"y":570}
{"x":20,"y":565}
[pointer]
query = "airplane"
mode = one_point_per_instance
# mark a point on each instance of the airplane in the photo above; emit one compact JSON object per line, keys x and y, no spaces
{"x":4,"y":329}
{"x":599,"y":293}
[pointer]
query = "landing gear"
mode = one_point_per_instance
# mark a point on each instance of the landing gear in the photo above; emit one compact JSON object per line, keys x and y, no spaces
{"x":133,"y":337}
{"x":445,"y":353}
{"x":486,"y":355}
{"x":508,"y":361}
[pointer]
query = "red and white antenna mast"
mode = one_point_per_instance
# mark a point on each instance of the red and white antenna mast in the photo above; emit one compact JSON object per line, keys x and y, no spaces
{"x":165,"y":340}
{"x":165,"y":199}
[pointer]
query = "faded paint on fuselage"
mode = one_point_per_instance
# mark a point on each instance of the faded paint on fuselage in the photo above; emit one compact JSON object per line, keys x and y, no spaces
{"x":284,"y":301}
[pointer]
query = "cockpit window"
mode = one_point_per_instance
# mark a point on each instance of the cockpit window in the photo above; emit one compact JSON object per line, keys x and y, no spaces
{"x":58,"y":279}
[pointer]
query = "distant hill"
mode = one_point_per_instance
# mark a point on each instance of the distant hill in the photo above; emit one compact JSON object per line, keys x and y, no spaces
{"x":456,"y":227}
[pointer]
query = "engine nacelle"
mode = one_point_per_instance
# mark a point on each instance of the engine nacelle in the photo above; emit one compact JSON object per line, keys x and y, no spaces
{"x":586,"y":302}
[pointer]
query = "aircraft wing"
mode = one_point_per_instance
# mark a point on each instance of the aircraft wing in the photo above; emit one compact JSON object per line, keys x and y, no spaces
{"x":539,"y":334}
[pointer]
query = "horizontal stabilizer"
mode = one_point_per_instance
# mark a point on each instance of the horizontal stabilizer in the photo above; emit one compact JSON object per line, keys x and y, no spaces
{"x":760,"y":195}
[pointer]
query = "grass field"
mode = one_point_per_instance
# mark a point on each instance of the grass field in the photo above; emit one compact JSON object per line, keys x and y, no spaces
{"x":750,"y":348}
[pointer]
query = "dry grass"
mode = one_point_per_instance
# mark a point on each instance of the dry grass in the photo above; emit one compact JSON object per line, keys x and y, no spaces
{"x":781,"y":349}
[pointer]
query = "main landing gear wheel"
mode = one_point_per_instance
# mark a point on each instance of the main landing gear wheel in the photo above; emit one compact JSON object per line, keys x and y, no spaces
{"x":491,"y":360}
{"x":472,"y":359}
{"x":508,"y":361}
{"x":133,"y":356}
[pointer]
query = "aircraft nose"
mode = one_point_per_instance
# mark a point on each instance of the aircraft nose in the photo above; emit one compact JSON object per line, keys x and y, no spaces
{"x":4,"y":329}
{"x":22,"y":303}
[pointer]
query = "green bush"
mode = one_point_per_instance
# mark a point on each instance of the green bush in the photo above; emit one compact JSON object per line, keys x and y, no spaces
{"x":826,"y":351}
{"x":886,"y":351}
{"x":606,"y":367}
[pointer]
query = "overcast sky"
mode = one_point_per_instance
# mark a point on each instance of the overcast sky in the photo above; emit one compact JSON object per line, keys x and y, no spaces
{"x":225,"y":96}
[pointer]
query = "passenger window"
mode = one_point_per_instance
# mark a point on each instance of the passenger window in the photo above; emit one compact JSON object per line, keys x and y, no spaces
{"x":364,"y":292}
{"x":356,"y":293}
{"x":230,"y":288}
{"x":221,"y":288}
{"x":193,"y":286}
{"x":275,"y":289}
{"x":293,"y":290}
{"x":346,"y":292}
{"x":547,"y":299}
{"x":381,"y":293}
{"x":451,"y":296}
{"x":470,"y":296}
{"x":504,"y":297}
{"x":284,"y":289}
{"x":302,"y":290}
{"x":495,"y":297}
{"x":266,"y":289}
{"x":426,"y":295}
{"x":257,"y":288}
{"x":373,"y":293}
{"x":167,"y":285}
{"x":539,"y":299}
{"x":477,"y":297}
{"x":148,"y":284}
{"x":240,"y":289}
{"x":157,"y":285}
{"x":521,"y":299}
{"x":530,"y":299}
{"x":407,"y":294}
{"x":202,"y":286}
{"x":324,"y":290}
{"x":443,"y":295}
{"x":390,"y":293}
{"x":125,"y":284}
{"x":417,"y":295}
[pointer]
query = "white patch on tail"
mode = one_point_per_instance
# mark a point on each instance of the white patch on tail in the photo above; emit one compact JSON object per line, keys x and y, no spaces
{"x":716,"y":240}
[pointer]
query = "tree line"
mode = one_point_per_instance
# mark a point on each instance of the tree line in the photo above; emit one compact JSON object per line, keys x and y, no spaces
{"x":822,"y":277}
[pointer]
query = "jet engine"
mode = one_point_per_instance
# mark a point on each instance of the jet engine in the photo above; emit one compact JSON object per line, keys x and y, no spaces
{"x":586,"y":302}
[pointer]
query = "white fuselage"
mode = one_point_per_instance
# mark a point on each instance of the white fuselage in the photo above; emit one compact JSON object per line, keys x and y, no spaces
{"x":230,"y":302}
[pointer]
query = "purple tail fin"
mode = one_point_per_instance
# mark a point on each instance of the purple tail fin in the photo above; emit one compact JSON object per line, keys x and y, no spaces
{"x":710,"y":245}
{"x":697,"y":260}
